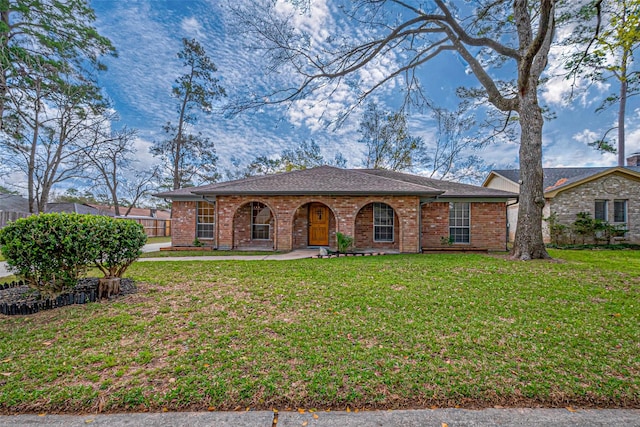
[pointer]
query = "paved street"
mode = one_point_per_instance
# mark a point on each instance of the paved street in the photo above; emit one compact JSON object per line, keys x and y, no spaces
{"x":406,"y":418}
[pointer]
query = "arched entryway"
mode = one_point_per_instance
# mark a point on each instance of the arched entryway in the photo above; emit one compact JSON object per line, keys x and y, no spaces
{"x":314,"y":225}
{"x":254,"y":227}
{"x":377,"y":227}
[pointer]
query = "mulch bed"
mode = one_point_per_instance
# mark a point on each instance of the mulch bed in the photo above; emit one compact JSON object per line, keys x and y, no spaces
{"x":16,"y":298}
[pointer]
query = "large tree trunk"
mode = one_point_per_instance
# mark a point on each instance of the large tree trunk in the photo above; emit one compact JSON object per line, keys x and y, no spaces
{"x":621,"y":113}
{"x":528,"y":242}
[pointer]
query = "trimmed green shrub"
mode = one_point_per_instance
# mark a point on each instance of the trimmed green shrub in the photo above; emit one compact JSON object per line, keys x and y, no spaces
{"x":118,"y":245}
{"x":51,"y":251}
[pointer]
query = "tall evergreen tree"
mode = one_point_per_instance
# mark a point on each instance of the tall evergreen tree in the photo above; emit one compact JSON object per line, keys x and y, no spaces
{"x":610,"y":35}
{"x":42,"y":40}
{"x":188,"y":155}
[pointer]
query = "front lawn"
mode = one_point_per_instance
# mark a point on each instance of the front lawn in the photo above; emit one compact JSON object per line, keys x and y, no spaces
{"x":363,"y":332}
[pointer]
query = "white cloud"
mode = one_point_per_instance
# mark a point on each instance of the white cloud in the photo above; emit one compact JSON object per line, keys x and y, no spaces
{"x":148,"y":39}
{"x":193,"y":28}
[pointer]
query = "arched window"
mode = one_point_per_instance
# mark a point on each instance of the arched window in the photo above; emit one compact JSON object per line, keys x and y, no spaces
{"x":260,"y":221}
{"x":382,"y":222}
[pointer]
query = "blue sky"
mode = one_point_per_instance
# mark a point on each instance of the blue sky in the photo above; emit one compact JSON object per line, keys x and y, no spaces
{"x":148,"y":33}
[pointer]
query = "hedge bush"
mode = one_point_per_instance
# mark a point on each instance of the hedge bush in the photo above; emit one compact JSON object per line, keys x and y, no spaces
{"x":51,"y":251}
{"x":118,"y":245}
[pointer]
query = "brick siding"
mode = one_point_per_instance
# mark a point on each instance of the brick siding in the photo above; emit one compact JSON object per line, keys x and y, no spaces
{"x":488,"y":227}
{"x":351,"y":215}
{"x":183,"y":223}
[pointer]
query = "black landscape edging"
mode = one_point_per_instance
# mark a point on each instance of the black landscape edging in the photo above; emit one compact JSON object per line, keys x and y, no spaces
{"x":32,"y":307}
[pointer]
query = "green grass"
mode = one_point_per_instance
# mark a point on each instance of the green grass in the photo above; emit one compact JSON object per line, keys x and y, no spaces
{"x":166,"y":254}
{"x":362,"y":332}
{"x":159,"y":239}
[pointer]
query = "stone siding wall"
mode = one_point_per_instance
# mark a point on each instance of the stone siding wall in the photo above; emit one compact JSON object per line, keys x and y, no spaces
{"x":616,"y":186}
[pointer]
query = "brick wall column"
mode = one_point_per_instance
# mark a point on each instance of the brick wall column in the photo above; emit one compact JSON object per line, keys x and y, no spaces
{"x":183,"y":223}
{"x":409,"y":226}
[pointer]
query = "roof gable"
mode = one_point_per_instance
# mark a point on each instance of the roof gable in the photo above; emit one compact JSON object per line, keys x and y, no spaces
{"x":559,"y":179}
{"x":565,"y":185}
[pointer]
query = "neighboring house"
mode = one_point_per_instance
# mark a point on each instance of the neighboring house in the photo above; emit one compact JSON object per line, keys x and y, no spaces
{"x":79,"y":208}
{"x":381,"y":210}
{"x":156,"y":222}
{"x":611,"y":194}
{"x":13,"y":203}
{"x":134,"y":212}
{"x":12,"y":207}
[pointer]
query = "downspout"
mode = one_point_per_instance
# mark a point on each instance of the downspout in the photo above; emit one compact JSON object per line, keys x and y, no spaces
{"x":506,"y":218}
{"x":420,"y":226}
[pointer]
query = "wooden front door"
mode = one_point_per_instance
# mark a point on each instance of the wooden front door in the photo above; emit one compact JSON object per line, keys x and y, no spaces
{"x":318,"y":225}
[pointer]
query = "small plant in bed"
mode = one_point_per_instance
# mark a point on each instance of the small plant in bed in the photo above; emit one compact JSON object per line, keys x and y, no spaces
{"x":345,"y":243}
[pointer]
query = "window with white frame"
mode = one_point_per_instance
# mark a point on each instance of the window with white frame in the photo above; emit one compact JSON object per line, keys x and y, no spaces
{"x":382,"y":222}
{"x":260,"y":221}
{"x":205,"y":220}
{"x":600,"y":211}
{"x":619,"y":211}
{"x":459,"y":222}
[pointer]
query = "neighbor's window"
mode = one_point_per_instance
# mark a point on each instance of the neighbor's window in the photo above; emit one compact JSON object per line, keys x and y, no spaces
{"x":619,"y":211}
{"x":260,"y":221}
{"x":382,"y":222}
{"x":205,"y":220}
{"x":459,"y":222}
{"x":601,"y":210}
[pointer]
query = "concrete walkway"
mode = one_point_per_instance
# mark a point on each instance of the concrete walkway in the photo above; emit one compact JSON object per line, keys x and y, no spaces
{"x":297,"y":254}
{"x":521,"y":417}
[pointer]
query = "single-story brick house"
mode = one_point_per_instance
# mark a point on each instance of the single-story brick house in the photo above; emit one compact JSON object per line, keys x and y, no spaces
{"x":382,"y":210}
{"x":610,"y":194}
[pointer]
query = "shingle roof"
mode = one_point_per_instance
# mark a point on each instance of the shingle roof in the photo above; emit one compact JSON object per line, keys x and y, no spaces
{"x":78,"y":208}
{"x":556,"y":178}
{"x":451,"y":189}
{"x":135,"y":212}
{"x":13,"y":203}
{"x":328,"y":180}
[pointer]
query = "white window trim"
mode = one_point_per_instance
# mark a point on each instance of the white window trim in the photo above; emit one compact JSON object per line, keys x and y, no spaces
{"x":198,"y":223}
{"x":458,"y":227}
{"x":268,"y":225}
{"x":393,"y":220}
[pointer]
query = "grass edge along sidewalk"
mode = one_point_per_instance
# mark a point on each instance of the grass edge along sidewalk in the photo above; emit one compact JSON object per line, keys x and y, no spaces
{"x":402,"y":331}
